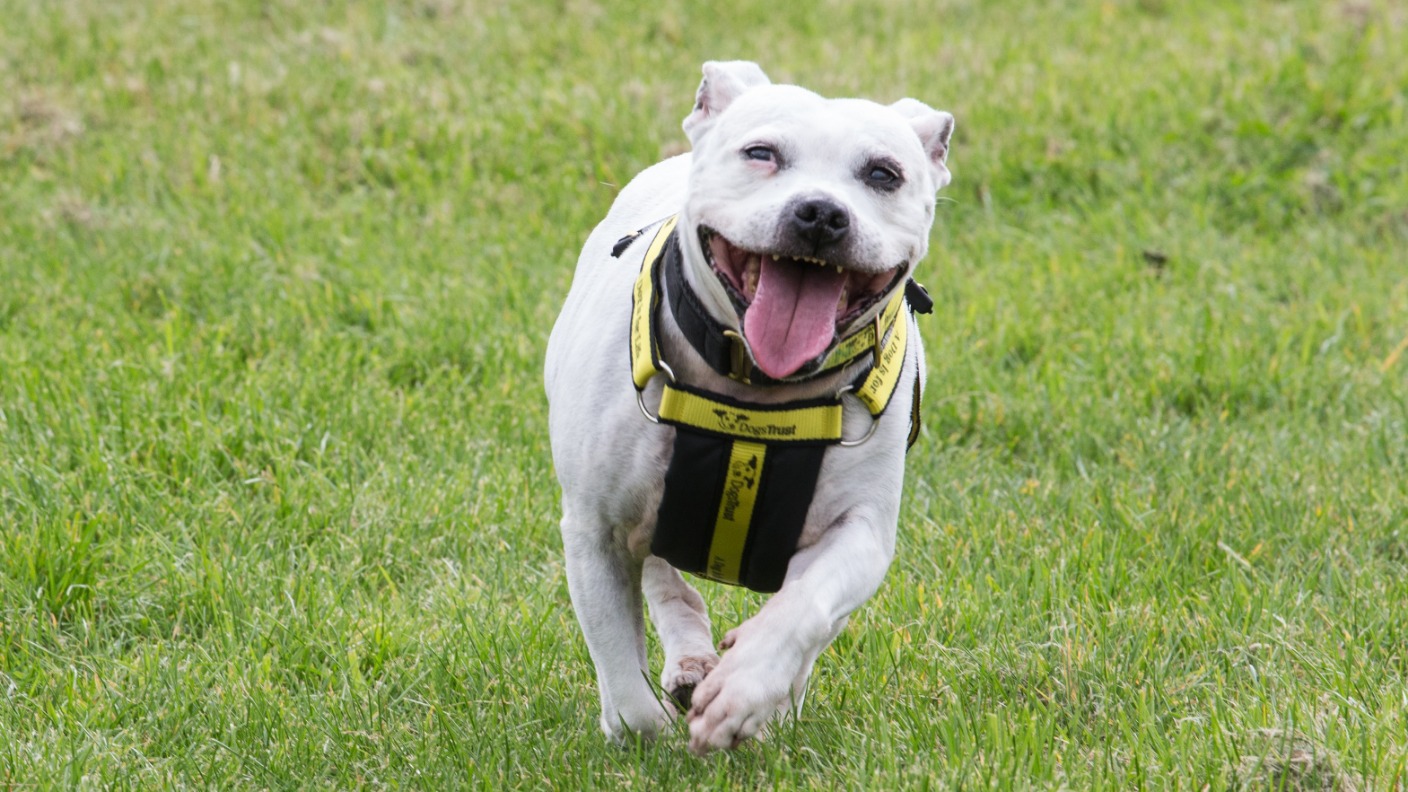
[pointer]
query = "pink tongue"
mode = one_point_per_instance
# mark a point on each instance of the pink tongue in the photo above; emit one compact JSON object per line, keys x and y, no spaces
{"x":792,"y":318}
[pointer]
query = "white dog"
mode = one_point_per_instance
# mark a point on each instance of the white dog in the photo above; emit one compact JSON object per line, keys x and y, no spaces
{"x":720,"y":385}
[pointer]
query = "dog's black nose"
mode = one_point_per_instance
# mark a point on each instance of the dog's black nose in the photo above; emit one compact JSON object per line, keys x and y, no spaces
{"x":820,"y":222}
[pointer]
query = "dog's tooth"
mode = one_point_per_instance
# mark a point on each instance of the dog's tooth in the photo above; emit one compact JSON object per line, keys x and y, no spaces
{"x":843,"y":300}
{"x":752,"y":268}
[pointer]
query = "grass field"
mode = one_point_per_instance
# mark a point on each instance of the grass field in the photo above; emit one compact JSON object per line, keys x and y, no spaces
{"x":276,"y":503}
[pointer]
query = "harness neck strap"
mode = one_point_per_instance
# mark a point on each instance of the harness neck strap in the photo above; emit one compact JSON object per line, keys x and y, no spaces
{"x":725,"y":350}
{"x":885,"y":339}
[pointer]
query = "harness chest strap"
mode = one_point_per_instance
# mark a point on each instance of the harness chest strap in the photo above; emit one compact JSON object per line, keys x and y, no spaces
{"x":742,"y":475}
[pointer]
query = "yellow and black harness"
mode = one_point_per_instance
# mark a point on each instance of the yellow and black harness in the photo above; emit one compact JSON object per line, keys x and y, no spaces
{"x":742,"y":475}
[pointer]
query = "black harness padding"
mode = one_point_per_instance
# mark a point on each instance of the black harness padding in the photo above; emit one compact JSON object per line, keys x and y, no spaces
{"x":699,"y":327}
{"x":694,"y":489}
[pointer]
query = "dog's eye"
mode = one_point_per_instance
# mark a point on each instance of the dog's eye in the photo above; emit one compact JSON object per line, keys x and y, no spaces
{"x":761,"y":153}
{"x":883,"y":177}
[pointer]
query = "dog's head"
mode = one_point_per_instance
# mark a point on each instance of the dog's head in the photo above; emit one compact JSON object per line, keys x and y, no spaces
{"x":804,"y":214}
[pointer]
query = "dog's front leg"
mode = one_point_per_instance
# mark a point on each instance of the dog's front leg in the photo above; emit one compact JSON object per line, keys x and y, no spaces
{"x":604,"y":579}
{"x":682,"y":623}
{"x":768,"y":655}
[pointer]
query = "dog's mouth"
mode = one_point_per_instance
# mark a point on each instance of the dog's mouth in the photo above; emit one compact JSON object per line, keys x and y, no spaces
{"x":793,"y":307}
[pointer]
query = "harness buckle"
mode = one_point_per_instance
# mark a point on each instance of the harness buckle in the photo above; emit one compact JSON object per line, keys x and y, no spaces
{"x":739,"y":357}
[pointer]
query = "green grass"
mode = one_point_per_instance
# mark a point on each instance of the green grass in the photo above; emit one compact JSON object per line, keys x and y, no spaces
{"x":276,"y":504}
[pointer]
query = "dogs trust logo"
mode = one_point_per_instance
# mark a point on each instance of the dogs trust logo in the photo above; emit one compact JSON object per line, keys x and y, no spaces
{"x":741,"y":425}
{"x":742,"y":478}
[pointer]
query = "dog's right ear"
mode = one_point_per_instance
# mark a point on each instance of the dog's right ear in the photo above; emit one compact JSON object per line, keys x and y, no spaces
{"x":723,"y":82}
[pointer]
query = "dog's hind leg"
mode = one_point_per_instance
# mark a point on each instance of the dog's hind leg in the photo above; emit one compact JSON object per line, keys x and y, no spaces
{"x":604,"y":579}
{"x":682,"y":623}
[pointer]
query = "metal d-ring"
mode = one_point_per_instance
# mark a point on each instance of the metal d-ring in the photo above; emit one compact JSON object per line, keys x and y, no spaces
{"x":640,"y":394}
{"x":874,"y":423}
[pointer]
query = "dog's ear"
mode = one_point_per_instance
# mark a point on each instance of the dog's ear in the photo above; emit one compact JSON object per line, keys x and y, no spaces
{"x":723,"y":82}
{"x":934,"y":128}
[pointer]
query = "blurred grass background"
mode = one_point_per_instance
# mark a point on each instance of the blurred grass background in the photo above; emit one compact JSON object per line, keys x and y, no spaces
{"x":276,"y":507}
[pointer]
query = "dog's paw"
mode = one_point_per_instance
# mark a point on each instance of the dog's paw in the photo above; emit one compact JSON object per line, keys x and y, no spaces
{"x":727,"y":713}
{"x":736,"y":700}
{"x":642,"y":722}
{"x":680,"y":679}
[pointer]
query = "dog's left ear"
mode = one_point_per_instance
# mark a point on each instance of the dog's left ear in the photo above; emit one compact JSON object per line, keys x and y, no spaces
{"x":723,"y":82}
{"x":934,"y":128}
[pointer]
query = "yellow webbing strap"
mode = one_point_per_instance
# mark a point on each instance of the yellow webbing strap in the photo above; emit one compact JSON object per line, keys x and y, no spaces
{"x":862,"y":341}
{"x":884,"y":376}
{"x":745,"y":468}
{"x":811,"y":423}
{"x":644,"y":349}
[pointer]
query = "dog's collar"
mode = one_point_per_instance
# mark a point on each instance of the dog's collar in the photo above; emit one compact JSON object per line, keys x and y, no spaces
{"x":727,"y":352}
{"x":811,"y":421}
